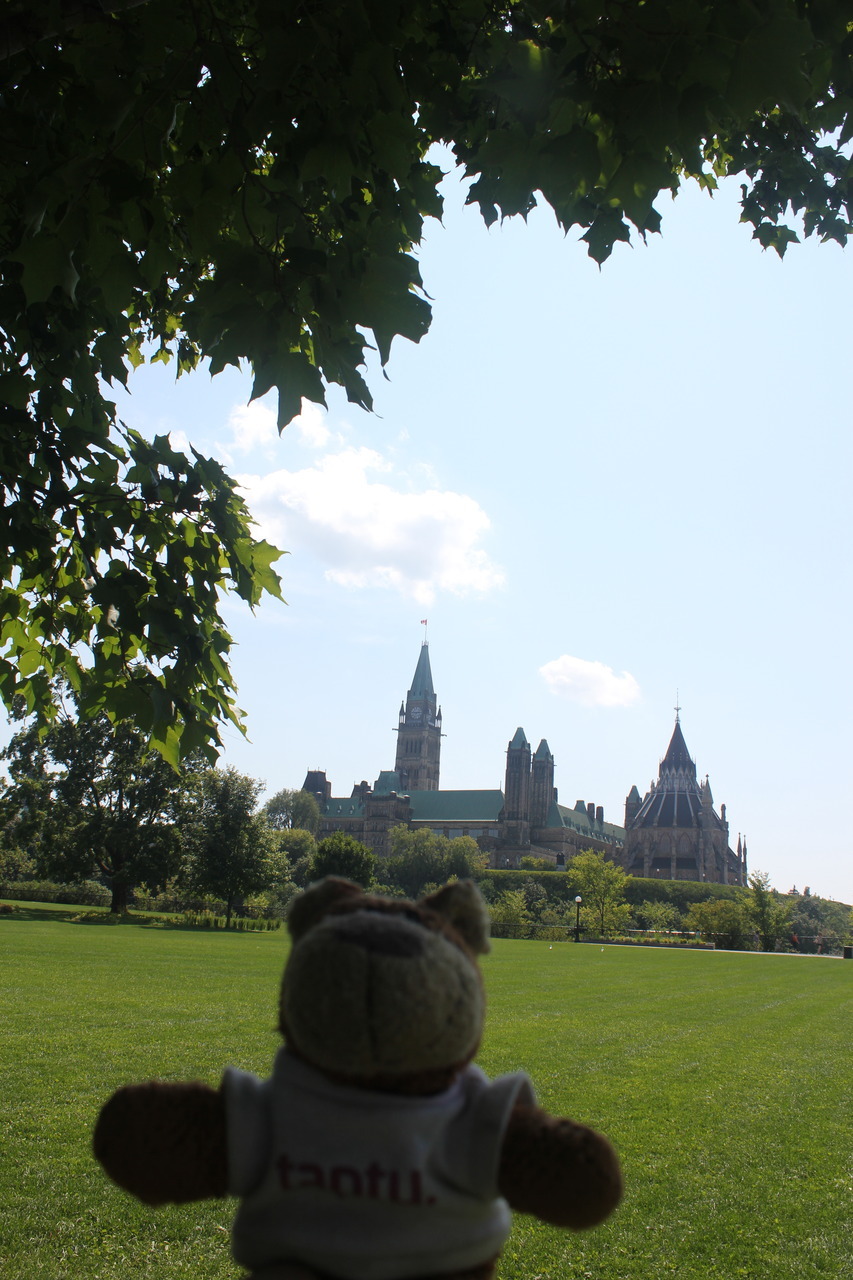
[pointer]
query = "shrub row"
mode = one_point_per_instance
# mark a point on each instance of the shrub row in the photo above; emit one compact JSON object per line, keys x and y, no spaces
{"x":678,"y":893}
{"x":262,"y":906}
{"x":561,"y":888}
{"x":566,"y":933}
{"x":206,"y":920}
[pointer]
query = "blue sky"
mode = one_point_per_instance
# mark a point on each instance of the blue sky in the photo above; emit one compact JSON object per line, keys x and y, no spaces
{"x":603,"y":489}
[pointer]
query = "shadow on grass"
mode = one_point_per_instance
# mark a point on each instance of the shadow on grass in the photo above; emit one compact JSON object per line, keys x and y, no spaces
{"x":71,"y":913}
{"x":60,"y":913}
{"x":37,"y":911}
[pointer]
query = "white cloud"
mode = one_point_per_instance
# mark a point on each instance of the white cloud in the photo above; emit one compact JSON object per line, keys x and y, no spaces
{"x":252,"y":426}
{"x":255,"y":426}
{"x":180,"y":440}
{"x":310,"y":425}
{"x":590,"y":683}
{"x":369,"y":533}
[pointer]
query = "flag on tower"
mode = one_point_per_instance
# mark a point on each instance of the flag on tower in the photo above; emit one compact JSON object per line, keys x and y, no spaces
{"x":423,"y":622}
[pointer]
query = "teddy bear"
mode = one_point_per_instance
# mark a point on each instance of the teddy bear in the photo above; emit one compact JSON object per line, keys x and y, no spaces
{"x":376,"y":1149}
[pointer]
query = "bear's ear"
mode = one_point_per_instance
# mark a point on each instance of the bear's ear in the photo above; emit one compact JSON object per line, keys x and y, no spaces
{"x":317,"y":901}
{"x":462,"y":905}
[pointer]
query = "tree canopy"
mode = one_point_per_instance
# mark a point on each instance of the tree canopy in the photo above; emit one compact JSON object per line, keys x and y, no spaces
{"x":422,"y":858}
{"x":89,"y":797}
{"x":769,"y":911}
{"x":342,"y":855}
{"x":289,"y":809}
{"x":230,"y":847}
{"x":246,"y":181}
{"x":602,"y":887}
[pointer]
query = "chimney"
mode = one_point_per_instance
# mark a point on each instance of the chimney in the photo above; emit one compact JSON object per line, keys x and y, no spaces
{"x":599,"y":813}
{"x":590,"y":811}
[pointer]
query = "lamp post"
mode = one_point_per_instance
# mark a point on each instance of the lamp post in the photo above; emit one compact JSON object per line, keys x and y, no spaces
{"x":578,"y":901}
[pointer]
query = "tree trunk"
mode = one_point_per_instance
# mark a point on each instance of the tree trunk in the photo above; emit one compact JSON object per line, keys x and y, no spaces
{"x":228,"y":905}
{"x":118,"y":905}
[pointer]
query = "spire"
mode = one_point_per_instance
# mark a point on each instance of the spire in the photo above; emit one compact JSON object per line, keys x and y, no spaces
{"x":422,"y":682}
{"x":519,"y":740}
{"x":677,"y":756}
{"x":543,"y":751}
{"x":419,"y":732}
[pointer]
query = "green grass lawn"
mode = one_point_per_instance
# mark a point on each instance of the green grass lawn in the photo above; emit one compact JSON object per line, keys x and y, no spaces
{"x":724,"y":1079}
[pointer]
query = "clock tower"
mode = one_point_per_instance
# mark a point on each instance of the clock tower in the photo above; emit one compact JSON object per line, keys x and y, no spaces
{"x":419,"y":731}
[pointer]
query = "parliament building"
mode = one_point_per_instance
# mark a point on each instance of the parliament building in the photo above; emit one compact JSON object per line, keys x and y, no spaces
{"x":672,"y":833}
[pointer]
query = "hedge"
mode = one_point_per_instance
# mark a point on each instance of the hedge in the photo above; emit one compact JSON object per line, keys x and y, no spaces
{"x":89,"y":893}
{"x":560,"y":887}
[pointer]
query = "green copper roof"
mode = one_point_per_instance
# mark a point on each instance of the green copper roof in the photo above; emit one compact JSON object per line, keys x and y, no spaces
{"x":387,"y":782}
{"x":519,"y":740}
{"x":429,"y":806}
{"x":456,"y":806}
{"x":422,"y":683}
{"x":543,"y":751}
{"x":578,"y":819}
{"x":338,"y":807}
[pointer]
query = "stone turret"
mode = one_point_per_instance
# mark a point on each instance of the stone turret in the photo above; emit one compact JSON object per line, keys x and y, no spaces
{"x":541,"y":785}
{"x":516,"y":812}
{"x":633,"y":800}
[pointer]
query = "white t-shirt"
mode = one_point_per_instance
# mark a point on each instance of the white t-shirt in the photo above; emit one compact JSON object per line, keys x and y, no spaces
{"x":364,"y":1185}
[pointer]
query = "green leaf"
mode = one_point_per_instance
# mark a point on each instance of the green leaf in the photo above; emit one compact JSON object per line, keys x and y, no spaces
{"x":48,"y":265}
{"x":166,"y":740}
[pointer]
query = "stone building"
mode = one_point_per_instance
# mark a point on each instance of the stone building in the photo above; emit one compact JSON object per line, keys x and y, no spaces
{"x":680,"y":838}
{"x":533,"y":823}
{"x":674,"y":832}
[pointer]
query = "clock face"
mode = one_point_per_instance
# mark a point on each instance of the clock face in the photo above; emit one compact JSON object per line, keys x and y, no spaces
{"x":417,"y":712}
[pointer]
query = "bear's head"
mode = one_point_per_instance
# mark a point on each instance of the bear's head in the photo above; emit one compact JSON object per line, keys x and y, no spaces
{"x":384,"y":993}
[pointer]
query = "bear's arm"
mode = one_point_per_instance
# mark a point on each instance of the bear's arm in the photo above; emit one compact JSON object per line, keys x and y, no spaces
{"x":557,"y":1170}
{"x":164,"y":1143}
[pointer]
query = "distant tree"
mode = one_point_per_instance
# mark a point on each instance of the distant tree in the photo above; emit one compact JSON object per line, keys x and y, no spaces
{"x":601,"y":884}
{"x":657,"y":916}
{"x":288,"y":809}
{"x":15,"y":864}
{"x":302,"y":870}
{"x":421,"y":858}
{"x":551,"y":917}
{"x":464,"y":857}
{"x":769,"y":911}
{"x":535,"y":896}
{"x":296,"y":843}
{"x":531,"y":863}
{"x":342,"y":855}
{"x":230,"y":847}
{"x":89,"y":797}
{"x":297,"y":848}
{"x":417,"y":858}
{"x":819,"y":925}
{"x":725,"y":922}
{"x":511,"y":913}
{"x":279,"y":886}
